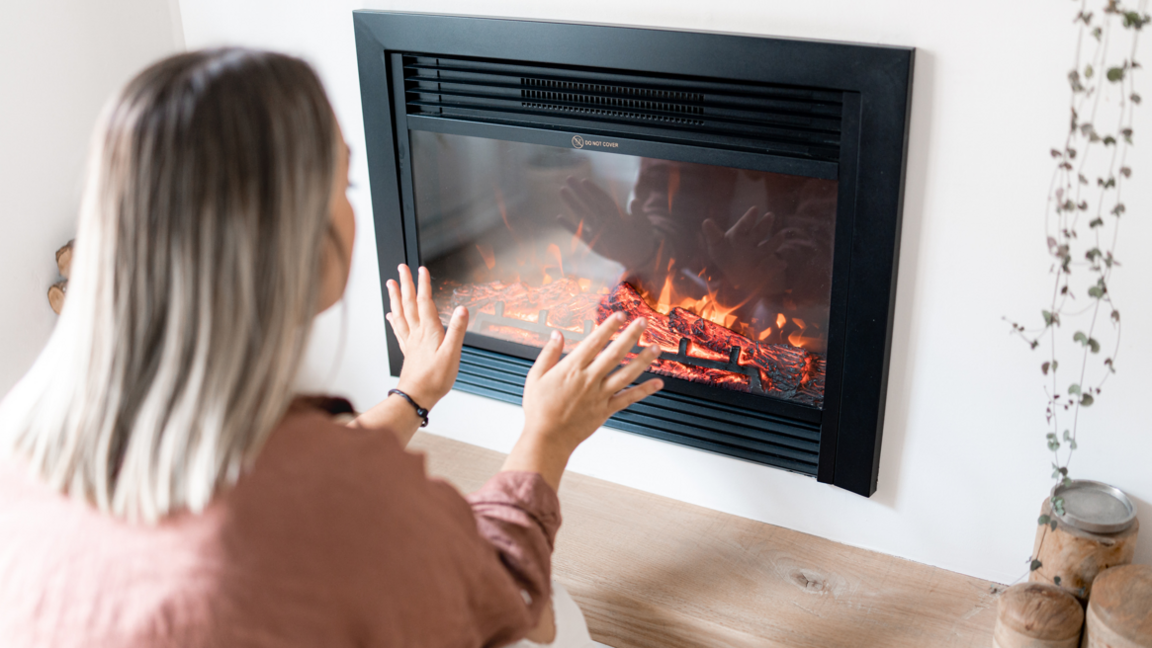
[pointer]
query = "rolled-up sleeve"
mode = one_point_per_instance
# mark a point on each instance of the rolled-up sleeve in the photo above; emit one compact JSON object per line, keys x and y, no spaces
{"x":519,"y":514}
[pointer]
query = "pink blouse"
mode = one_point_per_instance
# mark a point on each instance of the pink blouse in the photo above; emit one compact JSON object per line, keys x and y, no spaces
{"x":336,"y":537}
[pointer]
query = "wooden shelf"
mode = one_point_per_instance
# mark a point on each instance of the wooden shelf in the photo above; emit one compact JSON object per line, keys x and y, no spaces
{"x":651,"y":572}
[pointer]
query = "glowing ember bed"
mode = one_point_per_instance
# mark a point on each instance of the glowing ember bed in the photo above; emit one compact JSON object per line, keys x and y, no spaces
{"x":742,"y":194}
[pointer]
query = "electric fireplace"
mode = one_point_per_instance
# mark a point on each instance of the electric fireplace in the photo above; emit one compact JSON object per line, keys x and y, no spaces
{"x":741,"y":193}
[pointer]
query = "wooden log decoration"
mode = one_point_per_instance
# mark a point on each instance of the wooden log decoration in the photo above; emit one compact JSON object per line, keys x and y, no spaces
{"x":56,"y":293}
{"x":1035,"y":615}
{"x":1120,"y":610}
{"x":58,"y":290}
{"x":64,"y":259}
{"x":1071,"y":558}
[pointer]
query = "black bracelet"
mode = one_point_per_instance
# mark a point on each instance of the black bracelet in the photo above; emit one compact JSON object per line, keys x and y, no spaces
{"x":420,"y":411}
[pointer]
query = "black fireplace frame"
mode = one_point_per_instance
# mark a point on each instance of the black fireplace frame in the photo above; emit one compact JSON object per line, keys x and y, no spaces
{"x":844,"y":437}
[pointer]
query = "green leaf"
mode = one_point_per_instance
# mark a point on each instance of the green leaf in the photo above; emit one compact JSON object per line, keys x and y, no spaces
{"x":1072,"y":444}
{"x":1088,"y":72}
{"x":1095,"y":291}
{"x":1035,"y":564}
{"x":1115,"y":74}
{"x":1135,"y":98}
{"x":1109,"y":140}
{"x":1073,"y":389}
{"x":1044,"y":367}
{"x":1080,"y":337}
{"x":1094,"y":345}
{"x":1043,"y":520}
{"x":1096,"y":222}
{"x":1086,"y":400}
{"x":1067,"y":435}
{"x":1058,"y":505}
{"x":1048,"y":317}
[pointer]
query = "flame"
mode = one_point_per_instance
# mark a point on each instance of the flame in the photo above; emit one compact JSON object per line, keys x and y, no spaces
{"x":765,"y":333}
{"x":577,"y":235}
{"x":796,"y":338}
{"x":485,"y":251}
{"x":781,"y":320}
{"x":799,"y":322}
{"x":503,"y":209}
{"x":554,"y":250}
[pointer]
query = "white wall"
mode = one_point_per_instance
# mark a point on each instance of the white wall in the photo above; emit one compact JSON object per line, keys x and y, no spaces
{"x":964,"y":467}
{"x":59,"y":62}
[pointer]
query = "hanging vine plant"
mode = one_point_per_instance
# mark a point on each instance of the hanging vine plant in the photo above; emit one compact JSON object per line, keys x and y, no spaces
{"x":1080,"y":323}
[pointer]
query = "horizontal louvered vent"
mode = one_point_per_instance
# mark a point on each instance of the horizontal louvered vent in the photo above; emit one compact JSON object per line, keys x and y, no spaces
{"x":613,"y":101}
{"x":754,"y":117}
{"x":690,"y":421}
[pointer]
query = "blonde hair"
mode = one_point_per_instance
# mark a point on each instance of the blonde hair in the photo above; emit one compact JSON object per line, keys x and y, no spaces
{"x":195,"y":281}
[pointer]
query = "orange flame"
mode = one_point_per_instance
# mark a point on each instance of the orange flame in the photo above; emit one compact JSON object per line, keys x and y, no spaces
{"x":503,"y":209}
{"x":781,"y":320}
{"x":554,"y":250}
{"x":577,"y":236}
{"x":485,"y":251}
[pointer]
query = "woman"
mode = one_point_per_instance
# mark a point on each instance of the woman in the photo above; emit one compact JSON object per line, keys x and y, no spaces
{"x":159,"y":483}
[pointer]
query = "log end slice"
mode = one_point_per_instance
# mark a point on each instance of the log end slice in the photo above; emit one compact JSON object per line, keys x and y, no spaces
{"x":56,"y":294}
{"x":64,"y":259}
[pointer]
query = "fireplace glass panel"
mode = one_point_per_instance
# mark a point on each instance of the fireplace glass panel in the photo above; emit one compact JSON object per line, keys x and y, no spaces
{"x":731,"y":267}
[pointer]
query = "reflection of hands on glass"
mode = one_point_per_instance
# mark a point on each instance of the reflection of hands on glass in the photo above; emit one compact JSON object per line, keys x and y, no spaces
{"x":604,"y":226}
{"x":747,"y":253}
{"x":807,"y":249}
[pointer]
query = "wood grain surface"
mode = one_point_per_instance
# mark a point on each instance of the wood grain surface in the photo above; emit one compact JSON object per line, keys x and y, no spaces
{"x":651,"y":572}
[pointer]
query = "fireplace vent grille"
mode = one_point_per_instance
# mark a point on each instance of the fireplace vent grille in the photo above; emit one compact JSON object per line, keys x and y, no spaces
{"x":734,"y":431}
{"x":613,"y":100}
{"x":755,"y":117}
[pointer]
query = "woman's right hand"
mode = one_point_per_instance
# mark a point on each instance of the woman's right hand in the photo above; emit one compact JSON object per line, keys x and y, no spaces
{"x":431,"y":354}
{"x":566,"y":400}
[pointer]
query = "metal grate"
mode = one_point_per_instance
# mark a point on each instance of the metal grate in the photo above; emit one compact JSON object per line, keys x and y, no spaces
{"x":717,"y":427}
{"x":754,"y":117}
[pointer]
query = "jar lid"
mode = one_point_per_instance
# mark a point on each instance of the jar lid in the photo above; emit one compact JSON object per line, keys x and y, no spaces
{"x":1094,"y":506}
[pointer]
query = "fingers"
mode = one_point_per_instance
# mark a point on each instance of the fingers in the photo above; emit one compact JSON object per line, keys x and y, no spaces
{"x":608,"y":359}
{"x":548,"y":357}
{"x":763,"y":228}
{"x":427,"y":308}
{"x":599,"y":199}
{"x":589,"y":347}
{"x":396,"y":317}
{"x":408,"y":297}
{"x":634,"y":394}
{"x":454,"y":337}
{"x":744,"y":225}
{"x":632,"y":370}
{"x":713,"y":235}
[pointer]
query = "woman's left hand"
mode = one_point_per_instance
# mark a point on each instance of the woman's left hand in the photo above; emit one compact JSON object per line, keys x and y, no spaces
{"x":431,"y":355}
